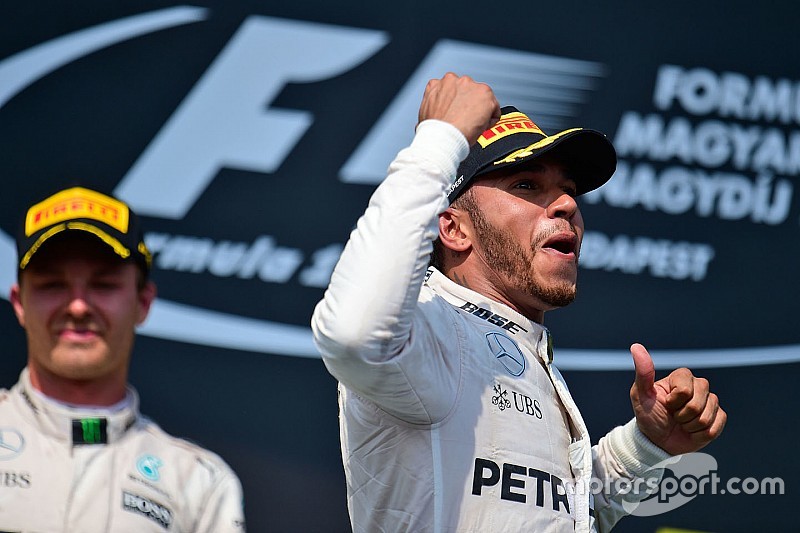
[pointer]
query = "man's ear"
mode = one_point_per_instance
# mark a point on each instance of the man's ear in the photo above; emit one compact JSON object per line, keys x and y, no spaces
{"x":16,"y":302}
{"x":455,"y":230}
{"x":146,"y":295}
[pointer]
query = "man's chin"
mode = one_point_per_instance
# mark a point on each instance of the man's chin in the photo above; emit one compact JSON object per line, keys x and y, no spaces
{"x":557,"y":296}
{"x":80,"y":359}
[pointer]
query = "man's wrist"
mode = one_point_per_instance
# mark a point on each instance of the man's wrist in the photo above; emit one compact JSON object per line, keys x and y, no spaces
{"x":442,"y":140}
{"x":634,"y":450}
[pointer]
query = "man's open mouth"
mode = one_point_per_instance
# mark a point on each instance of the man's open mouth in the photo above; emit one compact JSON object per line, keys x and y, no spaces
{"x":564,"y":243}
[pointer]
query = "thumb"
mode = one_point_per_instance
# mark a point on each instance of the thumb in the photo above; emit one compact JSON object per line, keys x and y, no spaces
{"x":645,"y":370}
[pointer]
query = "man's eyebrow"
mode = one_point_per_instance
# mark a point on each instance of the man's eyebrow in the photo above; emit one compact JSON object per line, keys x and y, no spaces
{"x":571,"y":175}
{"x":513,"y":172}
{"x":53,"y":268}
{"x":533,"y":166}
{"x":109,"y":269}
{"x":42,"y":270}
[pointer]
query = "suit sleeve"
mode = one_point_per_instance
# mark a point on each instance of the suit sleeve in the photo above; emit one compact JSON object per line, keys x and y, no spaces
{"x":223,"y":511}
{"x":367,"y":326}
{"x":625,"y":458}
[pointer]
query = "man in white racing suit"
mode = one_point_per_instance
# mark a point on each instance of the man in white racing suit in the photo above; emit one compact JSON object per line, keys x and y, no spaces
{"x":453,"y":415}
{"x":75,"y":452}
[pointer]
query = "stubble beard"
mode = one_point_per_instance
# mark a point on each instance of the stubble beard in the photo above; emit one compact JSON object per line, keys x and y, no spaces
{"x":509,"y":258}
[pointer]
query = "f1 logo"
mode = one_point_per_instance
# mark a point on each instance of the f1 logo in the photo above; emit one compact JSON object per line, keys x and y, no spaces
{"x":227,"y":120}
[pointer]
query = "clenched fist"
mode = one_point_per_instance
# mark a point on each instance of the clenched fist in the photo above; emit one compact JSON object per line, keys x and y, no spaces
{"x":461,"y":101}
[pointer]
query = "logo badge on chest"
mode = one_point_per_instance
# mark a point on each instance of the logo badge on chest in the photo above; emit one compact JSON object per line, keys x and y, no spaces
{"x":507,"y":353}
{"x":148,"y":466}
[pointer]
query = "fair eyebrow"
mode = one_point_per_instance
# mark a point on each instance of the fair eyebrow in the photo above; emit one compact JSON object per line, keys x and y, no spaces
{"x":54,"y":270}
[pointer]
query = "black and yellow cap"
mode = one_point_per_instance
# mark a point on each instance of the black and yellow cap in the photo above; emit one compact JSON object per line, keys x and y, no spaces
{"x":515,"y":139}
{"x":80,"y":209}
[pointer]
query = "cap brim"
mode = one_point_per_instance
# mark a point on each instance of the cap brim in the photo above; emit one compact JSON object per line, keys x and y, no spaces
{"x":590,"y":155}
{"x":86,"y":227}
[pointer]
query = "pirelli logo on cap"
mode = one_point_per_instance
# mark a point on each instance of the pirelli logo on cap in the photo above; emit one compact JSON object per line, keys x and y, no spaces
{"x":530,"y":150}
{"x":77,"y":203}
{"x":509,"y":124}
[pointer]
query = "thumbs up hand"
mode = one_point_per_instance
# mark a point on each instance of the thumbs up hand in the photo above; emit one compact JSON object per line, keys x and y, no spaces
{"x":678,"y":413}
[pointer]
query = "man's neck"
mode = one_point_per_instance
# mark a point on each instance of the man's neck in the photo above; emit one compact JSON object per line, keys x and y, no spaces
{"x":496,"y":290}
{"x":91,"y":393}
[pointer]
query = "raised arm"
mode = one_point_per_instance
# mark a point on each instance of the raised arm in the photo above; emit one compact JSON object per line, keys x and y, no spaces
{"x":367,"y":314}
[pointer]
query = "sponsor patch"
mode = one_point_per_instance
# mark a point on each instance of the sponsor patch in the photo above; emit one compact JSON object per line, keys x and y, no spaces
{"x":530,"y":150}
{"x":11,"y":443}
{"x":15,"y":480}
{"x":500,"y":399}
{"x":492,"y":318}
{"x":521,"y":484}
{"x":89,"y":431}
{"x":507,"y":352}
{"x":148,"y":508}
{"x":521,"y":402}
{"x":148,"y":466}
{"x":76,"y":203}
{"x":509,"y":125}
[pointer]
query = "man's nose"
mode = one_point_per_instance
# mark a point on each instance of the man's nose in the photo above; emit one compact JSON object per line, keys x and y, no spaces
{"x":78,"y":304}
{"x":564,"y":206}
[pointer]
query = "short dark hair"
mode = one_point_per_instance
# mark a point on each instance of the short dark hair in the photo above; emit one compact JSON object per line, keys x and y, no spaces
{"x":465,"y":202}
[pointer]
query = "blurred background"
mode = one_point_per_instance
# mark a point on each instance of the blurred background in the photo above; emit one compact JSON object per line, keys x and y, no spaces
{"x":250,"y":135}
